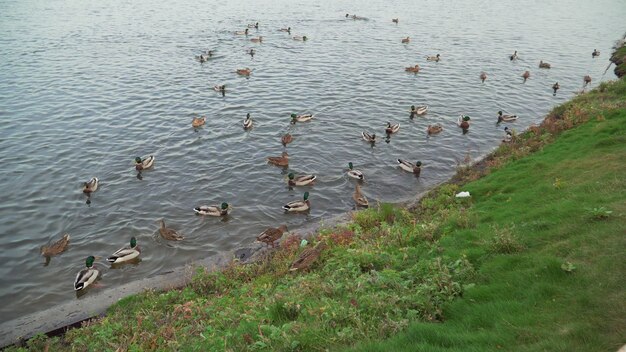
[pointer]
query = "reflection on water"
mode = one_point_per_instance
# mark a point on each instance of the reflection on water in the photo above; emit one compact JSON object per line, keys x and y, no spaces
{"x":86,"y":86}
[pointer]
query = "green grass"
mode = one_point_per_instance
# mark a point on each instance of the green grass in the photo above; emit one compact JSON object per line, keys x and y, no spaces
{"x":618,"y":57}
{"x":533,"y":261}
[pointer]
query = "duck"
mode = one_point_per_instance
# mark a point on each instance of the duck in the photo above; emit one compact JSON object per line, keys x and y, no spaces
{"x":483,"y":77}
{"x":126,"y":253}
{"x":143,"y":164}
{"x":202,"y":59}
{"x":463,"y":122}
{"x":354,"y":173}
{"x":391,"y":129}
{"x":271,"y":235}
{"x":213,"y":210}
{"x":526,"y":75}
{"x":253,"y":25}
{"x":543,"y":64}
{"x":279,"y":160}
{"x":168,"y":233}
{"x":257,"y":40}
{"x":286,"y":139}
{"x":91,"y":185}
{"x":251,"y":52}
{"x":407,"y":166}
{"x":208,"y":53}
{"x":371,"y":138}
{"x":394,"y":20}
{"x":359,"y":198}
{"x":419,"y":110}
{"x":595,"y":53}
{"x":247,"y":122}
{"x":57,"y":247}
{"x":220,"y":88}
{"x":307,"y":257}
{"x":301,"y":118}
{"x":302,"y":180}
{"x":298,"y":205}
{"x":514,"y":56}
{"x":587,"y":79}
{"x":508,"y":135}
{"x":301,"y":38}
{"x":244,"y":71}
{"x":198,"y":121}
{"x":555,"y":87}
{"x":414,"y":69}
{"x":87,"y":276}
{"x":435,"y":58}
{"x":288,"y":30}
{"x":406,"y":40}
{"x":434,"y":129}
{"x":506,"y":118}
{"x":244,"y":32}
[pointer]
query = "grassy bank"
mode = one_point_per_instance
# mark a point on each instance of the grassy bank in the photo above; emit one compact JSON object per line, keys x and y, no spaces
{"x":619,"y":58}
{"x":532,"y":261}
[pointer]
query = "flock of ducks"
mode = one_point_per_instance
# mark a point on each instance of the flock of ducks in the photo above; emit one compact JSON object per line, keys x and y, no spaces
{"x":89,"y":274}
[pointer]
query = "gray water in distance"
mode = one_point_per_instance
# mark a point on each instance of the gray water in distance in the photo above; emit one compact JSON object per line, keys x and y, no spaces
{"x":87,"y":86}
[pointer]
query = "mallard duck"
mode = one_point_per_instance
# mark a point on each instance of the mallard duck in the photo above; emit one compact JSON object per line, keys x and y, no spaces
{"x":271,"y":235}
{"x":91,"y":185}
{"x":391,"y":129}
{"x":371,"y":138}
{"x":56,"y":248}
{"x":244,"y":32}
{"x":394,"y":20}
{"x":419,"y":110}
{"x":286,"y":139}
{"x":307,"y":257}
{"x":257,"y":40}
{"x":253,"y":25}
{"x":506,"y":118}
{"x":483,"y":77}
{"x":298,"y":205}
{"x":508,"y":135}
{"x":526,"y":75}
{"x":244,"y":71}
{"x":247,"y":122}
{"x":407,"y":166}
{"x":406,"y":40}
{"x":202,"y":59}
{"x":543,"y":64}
{"x":434,"y":129}
{"x":213,"y":210}
{"x":463,"y":122}
{"x":251,"y":52}
{"x":300,"y":38}
{"x":169,"y":234}
{"x":221,"y":88}
{"x":359,"y":198}
{"x":595,"y":53}
{"x":279,"y":160}
{"x":435,"y":58}
{"x":208,"y":53}
{"x":556,"y":87}
{"x":514,"y":56}
{"x":302,"y":180}
{"x":198,"y":121}
{"x":87,"y":276}
{"x":587,"y":79}
{"x":301,"y":118}
{"x":354,"y":173}
{"x":126,"y":253}
{"x":143,"y":164}
{"x":288,"y":29}
{"x":414,"y":69}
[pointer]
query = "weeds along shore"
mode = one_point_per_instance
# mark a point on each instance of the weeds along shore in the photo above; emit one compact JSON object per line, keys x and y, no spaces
{"x":532,"y":260}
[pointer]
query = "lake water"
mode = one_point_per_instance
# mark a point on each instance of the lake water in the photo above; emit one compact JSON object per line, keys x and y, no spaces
{"x":86,"y":86}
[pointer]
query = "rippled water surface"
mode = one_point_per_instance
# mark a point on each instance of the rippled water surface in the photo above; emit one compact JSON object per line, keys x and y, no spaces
{"x":86,"y":86}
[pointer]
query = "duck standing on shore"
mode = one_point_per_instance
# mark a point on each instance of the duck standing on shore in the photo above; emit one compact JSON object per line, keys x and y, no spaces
{"x":271,"y":235}
{"x":587,"y":80}
{"x":87,"y":276}
{"x":307,"y":257}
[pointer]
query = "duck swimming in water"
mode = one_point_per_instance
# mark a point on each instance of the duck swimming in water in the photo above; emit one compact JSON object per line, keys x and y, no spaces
{"x":91,"y":185}
{"x":301,"y":118}
{"x":587,"y":80}
{"x":434,"y":129}
{"x":302,"y":180}
{"x":244,"y":32}
{"x":414,"y":69}
{"x":359,"y":198}
{"x":371,"y":138}
{"x":544,"y":64}
{"x":221,"y":88}
{"x":354,"y":173}
{"x":463,"y":122}
{"x":483,"y":77}
{"x":244,"y":71}
{"x":435,"y":58}
{"x":87,"y":276}
{"x":298,"y":205}
{"x":247,"y":122}
{"x":286,"y":139}
{"x":288,"y":30}
{"x":213,"y":210}
{"x":257,"y":40}
{"x":416,"y":168}
{"x":406,"y":40}
{"x":526,"y":75}
{"x":300,"y":38}
{"x":419,"y":110}
{"x":506,"y":118}
{"x":125,"y":254}
{"x":555,"y":87}
{"x":198,"y":121}
{"x":391,"y":129}
{"x":394,"y":20}
{"x":595,"y":53}
{"x":514,"y":56}
{"x":282,"y":160}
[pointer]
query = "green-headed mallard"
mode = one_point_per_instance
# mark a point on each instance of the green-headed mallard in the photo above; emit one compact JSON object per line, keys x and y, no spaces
{"x":514,"y":56}
{"x":169,"y":234}
{"x":302,"y":180}
{"x":286,"y":139}
{"x":198,"y":121}
{"x":288,"y":30}
{"x":57,"y":247}
{"x":143,"y":164}
{"x":244,"y":32}
{"x":463,"y":122}
{"x":354,"y":173}
{"x":298,"y":205}
{"x":271,"y":235}
{"x":301,"y":118}
{"x":418,"y":110}
{"x":435,"y":58}
{"x":247,"y":122}
{"x":220,"y":88}
{"x":391,"y":129}
{"x":483,"y":77}
{"x":253,"y":25}
{"x":595,"y":53}
{"x":506,"y":118}
{"x":300,"y":38}
{"x":544,"y":64}
{"x":434,"y":129}
{"x":526,"y":75}
{"x":359,"y":197}
{"x":371,"y":138}
{"x":86,"y":276}
{"x":126,"y":253}
{"x":508,"y":135}
{"x":307,"y":257}
{"x":91,"y":185}
{"x":407,"y":166}
{"x":279,"y":160}
{"x":213,"y":210}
